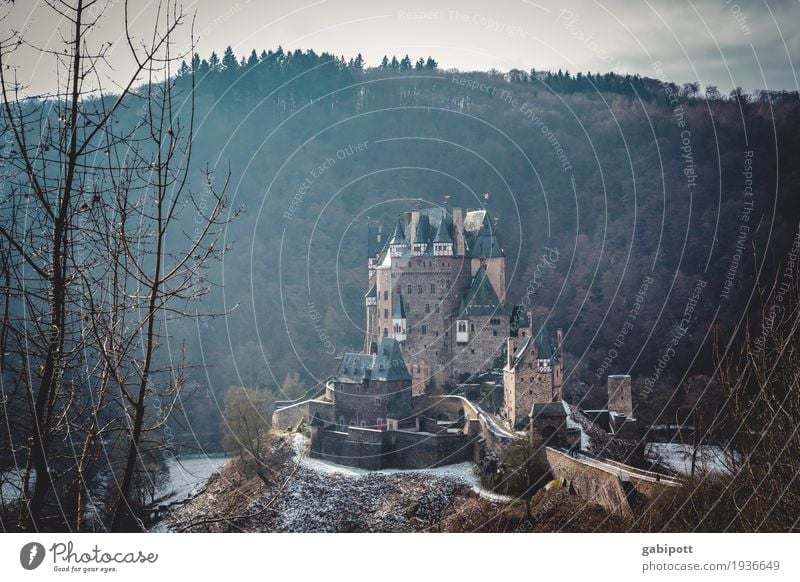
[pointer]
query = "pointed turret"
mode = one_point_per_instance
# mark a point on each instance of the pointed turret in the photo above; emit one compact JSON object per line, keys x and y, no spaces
{"x":398,"y":243}
{"x":422,"y":236}
{"x":443,"y":242}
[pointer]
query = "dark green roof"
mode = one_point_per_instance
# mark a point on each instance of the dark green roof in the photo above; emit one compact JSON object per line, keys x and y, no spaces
{"x":481,"y":298}
{"x":548,"y":410}
{"x":387,"y":365}
{"x":373,"y":292}
{"x":399,"y":234}
{"x":423,"y":229}
{"x":375,"y":239}
{"x":398,"y":309}
{"x":519,"y":318}
{"x":483,"y":242}
{"x":390,"y":365}
{"x":544,"y":349}
{"x":399,"y":405}
{"x":443,"y":233}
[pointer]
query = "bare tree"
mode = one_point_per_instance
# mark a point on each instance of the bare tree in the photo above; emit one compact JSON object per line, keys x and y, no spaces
{"x":100,"y":259}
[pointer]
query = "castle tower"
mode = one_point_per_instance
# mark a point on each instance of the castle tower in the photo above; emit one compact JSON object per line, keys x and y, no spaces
{"x":620,"y":399}
{"x":532,"y":374}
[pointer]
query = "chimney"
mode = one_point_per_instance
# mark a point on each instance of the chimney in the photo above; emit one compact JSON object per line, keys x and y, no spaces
{"x":510,"y":348}
{"x":458,"y":227}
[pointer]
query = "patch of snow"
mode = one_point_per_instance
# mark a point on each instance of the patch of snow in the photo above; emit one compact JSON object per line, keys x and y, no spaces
{"x":465,"y":472}
{"x":678,"y":457}
{"x":187,"y":476}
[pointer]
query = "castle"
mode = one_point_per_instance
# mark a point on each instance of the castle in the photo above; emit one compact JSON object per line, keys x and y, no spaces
{"x":437,"y":285}
{"x":436,"y":315}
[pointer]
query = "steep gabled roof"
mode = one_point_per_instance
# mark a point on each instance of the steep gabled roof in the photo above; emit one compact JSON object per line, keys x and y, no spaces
{"x":481,"y":298}
{"x":399,"y":234}
{"x":398,"y":308}
{"x":390,"y":365}
{"x":387,"y":365}
{"x":443,"y":233}
{"x":423,"y":229}
{"x":373,"y":292}
{"x":482,"y":238}
{"x":544,"y":349}
{"x":375,"y":240}
{"x":521,"y":351}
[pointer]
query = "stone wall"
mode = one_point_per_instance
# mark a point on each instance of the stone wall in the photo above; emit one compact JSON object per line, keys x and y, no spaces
{"x":486,"y":342}
{"x":290,"y":417}
{"x":365,"y":403}
{"x":590,"y":483}
{"x":430,"y":327}
{"x":374,"y":450}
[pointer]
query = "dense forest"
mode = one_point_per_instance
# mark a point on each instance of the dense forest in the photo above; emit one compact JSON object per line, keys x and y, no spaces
{"x":659,"y":202}
{"x":635,"y":213}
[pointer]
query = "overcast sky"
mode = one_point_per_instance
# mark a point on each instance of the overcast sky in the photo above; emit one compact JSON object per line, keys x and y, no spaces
{"x":715,"y":42}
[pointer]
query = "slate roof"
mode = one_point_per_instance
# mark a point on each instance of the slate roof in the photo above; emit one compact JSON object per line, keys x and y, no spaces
{"x":373,"y":292}
{"x":481,"y":236}
{"x":519,"y":318}
{"x":549,"y":410}
{"x":399,"y":234}
{"x":481,"y":299}
{"x":376,"y":240}
{"x":544,"y":349}
{"x":443,"y":232}
{"x":517,"y":357}
{"x":398,"y":308}
{"x":387,"y":365}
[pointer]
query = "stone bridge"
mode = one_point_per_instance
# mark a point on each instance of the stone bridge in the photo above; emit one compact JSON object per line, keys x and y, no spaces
{"x":612,"y":485}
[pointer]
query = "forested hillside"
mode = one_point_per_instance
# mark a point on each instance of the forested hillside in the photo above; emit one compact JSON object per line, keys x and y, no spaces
{"x":640,"y":190}
{"x":633,"y":212}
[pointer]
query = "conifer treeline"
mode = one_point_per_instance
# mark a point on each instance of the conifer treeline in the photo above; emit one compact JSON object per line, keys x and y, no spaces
{"x":293,"y":64}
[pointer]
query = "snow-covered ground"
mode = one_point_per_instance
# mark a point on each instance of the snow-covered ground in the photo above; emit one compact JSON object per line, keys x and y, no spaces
{"x":465,"y":472}
{"x":187,"y":475}
{"x":678,"y":457}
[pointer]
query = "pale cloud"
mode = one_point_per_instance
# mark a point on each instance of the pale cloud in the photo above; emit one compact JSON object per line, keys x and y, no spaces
{"x":692,"y":40}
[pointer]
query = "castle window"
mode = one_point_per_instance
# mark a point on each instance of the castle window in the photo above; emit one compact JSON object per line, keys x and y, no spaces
{"x":462,"y":326}
{"x":472,"y":327}
{"x":495,"y":321}
{"x":385,"y":295}
{"x":433,"y":287}
{"x":410,"y":289}
{"x":494,"y":332}
{"x":472,"y":351}
{"x":436,"y":333}
{"x":427,"y":308}
{"x":385,"y":332}
{"x":436,"y":309}
{"x":386,"y":314}
{"x":378,"y":400}
{"x":419,"y":289}
{"x":363,"y":424}
{"x":424,"y":329}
